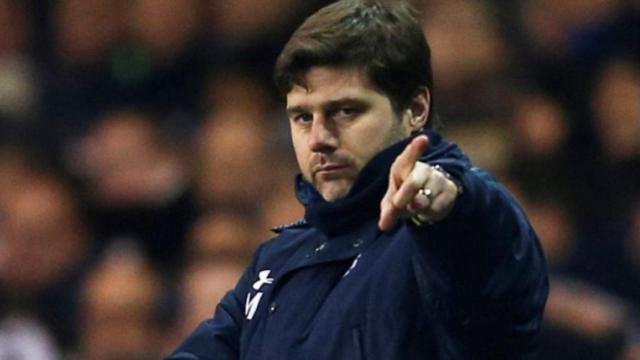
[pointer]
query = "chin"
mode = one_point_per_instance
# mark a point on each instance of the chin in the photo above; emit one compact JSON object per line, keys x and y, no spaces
{"x":334,"y":192}
{"x":332,"y":197}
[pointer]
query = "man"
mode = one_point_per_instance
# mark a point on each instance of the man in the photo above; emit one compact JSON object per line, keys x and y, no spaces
{"x":406,"y":250}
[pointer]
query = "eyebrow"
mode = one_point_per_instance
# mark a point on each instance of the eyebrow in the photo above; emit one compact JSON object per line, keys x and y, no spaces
{"x":346,"y":101}
{"x":297,"y":109}
{"x":330,"y":105}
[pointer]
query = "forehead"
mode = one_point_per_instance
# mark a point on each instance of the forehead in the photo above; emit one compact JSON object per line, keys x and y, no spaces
{"x":333,"y":83}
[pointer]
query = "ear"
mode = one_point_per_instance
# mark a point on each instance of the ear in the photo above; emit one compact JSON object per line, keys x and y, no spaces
{"x":419,"y":110}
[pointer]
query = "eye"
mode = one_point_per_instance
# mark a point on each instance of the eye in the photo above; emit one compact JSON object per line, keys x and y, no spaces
{"x":345,"y":113}
{"x":302,"y":118}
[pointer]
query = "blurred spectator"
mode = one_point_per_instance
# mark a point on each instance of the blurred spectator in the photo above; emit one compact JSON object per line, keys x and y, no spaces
{"x":487,"y":143}
{"x":222,"y":235}
{"x":556,"y":229}
{"x":250,"y":33}
{"x":469,"y":58}
{"x":280,"y":205}
{"x":550,"y":25}
{"x":543,"y":163}
{"x":19,"y":93}
{"x":240,"y":21}
{"x":163,"y":62}
{"x":582,"y":322}
{"x":234,"y":144}
{"x":15,"y":30}
{"x":87,"y":30}
{"x":118,"y":308}
{"x":562,"y":45}
{"x":44,"y":236}
{"x":202,"y":287}
{"x":617,"y":110}
{"x":138,"y":185}
{"x":127,"y":161}
{"x":114,"y":53}
{"x":165,"y":27}
{"x":451,"y":23}
{"x":46,"y":249}
{"x":541,"y":126}
{"x":24,"y":338}
{"x":77,"y":83}
{"x":18,"y":90}
{"x":612,"y":173}
{"x":237,"y":90}
{"x":230,"y":164}
{"x":15,"y":167}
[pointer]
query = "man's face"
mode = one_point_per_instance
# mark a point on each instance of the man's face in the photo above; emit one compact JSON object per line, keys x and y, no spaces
{"x":339,"y":121}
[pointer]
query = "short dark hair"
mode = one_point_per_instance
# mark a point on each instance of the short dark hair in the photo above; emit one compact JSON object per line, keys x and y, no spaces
{"x":384,"y":38}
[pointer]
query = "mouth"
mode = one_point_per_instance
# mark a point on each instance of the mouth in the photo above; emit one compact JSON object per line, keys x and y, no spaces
{"x":330,"y":169}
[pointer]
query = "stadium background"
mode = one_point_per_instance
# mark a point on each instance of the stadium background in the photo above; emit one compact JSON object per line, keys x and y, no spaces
{"x":144,"y":155}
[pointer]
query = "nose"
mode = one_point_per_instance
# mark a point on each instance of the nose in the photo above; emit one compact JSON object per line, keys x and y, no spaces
{"x":323,"y":137}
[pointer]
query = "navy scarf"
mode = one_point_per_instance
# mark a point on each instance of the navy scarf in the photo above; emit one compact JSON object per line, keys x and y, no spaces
{"x":362,"y":203}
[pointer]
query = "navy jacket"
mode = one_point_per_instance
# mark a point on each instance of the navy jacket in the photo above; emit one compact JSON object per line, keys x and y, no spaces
{"x":333,"y":286}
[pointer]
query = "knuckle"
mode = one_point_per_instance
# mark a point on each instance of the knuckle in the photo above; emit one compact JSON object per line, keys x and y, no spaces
{"x":414,"y":184}
{"x":436,"y":206}
{"x":423,"y":166}
{"x":450,"y":190}
{"x":420,"y":174}
{"x":439,"y":178}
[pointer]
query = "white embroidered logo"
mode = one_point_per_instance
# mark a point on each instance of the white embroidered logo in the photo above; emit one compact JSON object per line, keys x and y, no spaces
{"x":251,"y":304}
{"x":263,"y":278}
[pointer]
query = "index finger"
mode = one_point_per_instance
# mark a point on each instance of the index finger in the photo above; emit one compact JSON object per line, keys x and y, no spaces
{"x":400,"y":170}
{"x":407,"y":159}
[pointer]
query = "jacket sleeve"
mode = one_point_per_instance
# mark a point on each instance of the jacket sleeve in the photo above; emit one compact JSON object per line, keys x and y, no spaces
{"x":218,"y":337}
{"x":496,"y":264}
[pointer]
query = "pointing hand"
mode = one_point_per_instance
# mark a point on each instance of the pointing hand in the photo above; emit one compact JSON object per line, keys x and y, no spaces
{"x":416,"y":189}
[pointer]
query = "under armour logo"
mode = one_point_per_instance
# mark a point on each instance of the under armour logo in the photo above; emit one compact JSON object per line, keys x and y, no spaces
{"x":251,"y":305}
{"x":263,"y":278}
{"x":252,"y":302}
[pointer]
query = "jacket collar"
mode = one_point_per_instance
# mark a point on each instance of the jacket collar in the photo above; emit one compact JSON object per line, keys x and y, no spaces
{"x":363,"y":200}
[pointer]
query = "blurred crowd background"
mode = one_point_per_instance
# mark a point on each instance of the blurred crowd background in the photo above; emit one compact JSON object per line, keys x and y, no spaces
{"x":144,"y":156}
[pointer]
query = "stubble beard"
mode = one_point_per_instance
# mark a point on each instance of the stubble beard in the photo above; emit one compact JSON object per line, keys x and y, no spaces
{"x":395,"y":134}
